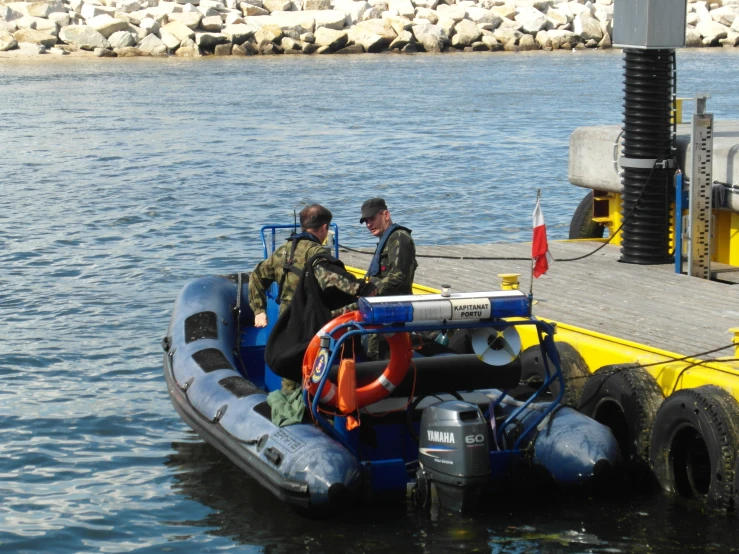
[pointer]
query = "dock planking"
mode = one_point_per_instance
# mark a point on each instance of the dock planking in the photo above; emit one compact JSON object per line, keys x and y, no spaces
{"x":647,"y":304}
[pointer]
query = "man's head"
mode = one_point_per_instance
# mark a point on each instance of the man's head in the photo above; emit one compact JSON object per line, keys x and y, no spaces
{"x":315,"y":219}
{"x":376,"y":216}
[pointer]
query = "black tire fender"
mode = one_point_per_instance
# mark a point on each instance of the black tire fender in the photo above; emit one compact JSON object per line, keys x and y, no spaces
{"x":694,"y":446}
{"x":574,"y":371}
{"x":582,"y":225}
{"x":625,"y":398}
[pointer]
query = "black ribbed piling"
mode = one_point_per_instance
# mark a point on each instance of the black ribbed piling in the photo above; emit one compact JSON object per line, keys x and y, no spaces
{"x":647,"y":135}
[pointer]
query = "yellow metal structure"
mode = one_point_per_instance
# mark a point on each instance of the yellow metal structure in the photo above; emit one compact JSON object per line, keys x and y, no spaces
{"x":672,"y":371}
{"x":607,"y":211}
{"x":509,"y":281}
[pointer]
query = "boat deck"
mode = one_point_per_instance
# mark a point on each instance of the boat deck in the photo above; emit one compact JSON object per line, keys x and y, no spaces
{"x":650,"y":305}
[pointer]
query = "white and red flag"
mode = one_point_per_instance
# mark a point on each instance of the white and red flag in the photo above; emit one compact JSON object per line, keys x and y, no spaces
{"x":540,"y":247}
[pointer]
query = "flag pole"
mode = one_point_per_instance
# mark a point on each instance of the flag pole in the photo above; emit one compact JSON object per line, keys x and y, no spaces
{"x":533,"y":260}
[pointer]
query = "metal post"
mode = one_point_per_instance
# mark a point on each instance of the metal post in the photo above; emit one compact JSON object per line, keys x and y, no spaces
{"x":699,"y":226}
{"x":679,"y":221}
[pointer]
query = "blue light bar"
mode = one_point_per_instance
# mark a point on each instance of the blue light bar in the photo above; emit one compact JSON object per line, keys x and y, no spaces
{"x":463,"y":307}
{"x":385,"y":313}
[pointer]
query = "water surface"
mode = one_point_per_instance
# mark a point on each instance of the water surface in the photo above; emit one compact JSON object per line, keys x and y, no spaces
{"x":122,"y":179}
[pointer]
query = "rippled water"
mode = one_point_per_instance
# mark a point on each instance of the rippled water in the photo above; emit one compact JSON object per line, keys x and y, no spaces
{"x":121,"y":179}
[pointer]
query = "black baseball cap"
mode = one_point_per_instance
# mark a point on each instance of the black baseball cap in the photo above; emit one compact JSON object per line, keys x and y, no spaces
{"x":371,"y":207}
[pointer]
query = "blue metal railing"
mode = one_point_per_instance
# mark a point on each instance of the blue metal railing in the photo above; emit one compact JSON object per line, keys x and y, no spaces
{"x":273,"y":237}
{"x":545,"y":333}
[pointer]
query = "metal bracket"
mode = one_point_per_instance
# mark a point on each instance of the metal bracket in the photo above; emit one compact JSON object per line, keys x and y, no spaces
{"x":641,"y":163}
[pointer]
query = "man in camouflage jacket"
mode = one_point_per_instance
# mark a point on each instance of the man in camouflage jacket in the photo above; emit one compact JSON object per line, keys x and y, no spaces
{"x":394,"y":263}
{"x":279,"y":268}
{"x":286,"y":264}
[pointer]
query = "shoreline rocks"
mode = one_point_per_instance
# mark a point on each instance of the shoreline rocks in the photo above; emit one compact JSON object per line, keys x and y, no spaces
{"x":193,"y":28}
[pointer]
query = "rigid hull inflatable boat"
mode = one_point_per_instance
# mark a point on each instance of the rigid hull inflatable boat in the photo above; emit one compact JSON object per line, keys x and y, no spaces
{"x":439,"y":425}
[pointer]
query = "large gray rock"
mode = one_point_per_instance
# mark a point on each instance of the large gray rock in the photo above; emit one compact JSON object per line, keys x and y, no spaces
{"x":277,"y":5}
{"x":379,"y":27}
{"x":397,"y":22}
{"x":527,"y":42}
{"x":7,"y":41}
{"x":465,"y":33}
{"x":9,"y":14}
{"x":353,"y":11}
{"x":152,"y":45}
{"x":169,"y":40}
{"x":587,"y":27}
{"x":178,"y":30}
{"x":507,"y":11}
{"x":83,"y":37}
{"x":332,"y":38}
{"x":150,"y":26}
{"x":404,"y":38}
{"x":61,"y":19}
{"x":122,"y":39}
{"x":302,"y":22}
{"x":447,"y":25}
{"x":88,"y":11}
{"x":369,"y":41}
{"x":532,"y":20}
{"x":106,"y":25}
{"x":128,"y":6}
{"x":207,"y":40}
{"x":431,"y":37}
{"x":31,"y":48}
{"x":191,"y":19}
{"x":455,"y":13}
{"x":562,"y":39}
{"x":402,"y":7}
{"x":712,"y":30}
{"x":250,"y":10}
{"x":35,"y":37}
{"x":37,"y":24}
{"x":505,"y":35}
{"x":481,"y":16}
{"x":331,"y":19}
{"x":240,"y":32}
{"x":44,"y":9}
{"x":316,"y":4}
{"x":188,"y":49}
{"x":213,"y":24}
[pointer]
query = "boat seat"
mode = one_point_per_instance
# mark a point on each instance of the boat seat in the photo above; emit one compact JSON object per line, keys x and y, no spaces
{"x":445,"y":373}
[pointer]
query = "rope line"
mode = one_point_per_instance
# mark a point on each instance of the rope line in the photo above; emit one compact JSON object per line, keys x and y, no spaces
{"x":512,"y":259}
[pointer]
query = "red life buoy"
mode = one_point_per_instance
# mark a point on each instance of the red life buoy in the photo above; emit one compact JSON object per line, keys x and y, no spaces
{"x":315,"y":362}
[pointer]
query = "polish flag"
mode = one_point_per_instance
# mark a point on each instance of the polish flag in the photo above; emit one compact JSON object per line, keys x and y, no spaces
{"x":540,"y":247}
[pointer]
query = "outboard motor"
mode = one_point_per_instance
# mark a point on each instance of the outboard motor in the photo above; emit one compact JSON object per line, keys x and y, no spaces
{"x":453,"y":455}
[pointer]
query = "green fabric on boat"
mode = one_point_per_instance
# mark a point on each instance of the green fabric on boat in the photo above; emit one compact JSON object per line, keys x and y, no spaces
{"x":286,"y":409}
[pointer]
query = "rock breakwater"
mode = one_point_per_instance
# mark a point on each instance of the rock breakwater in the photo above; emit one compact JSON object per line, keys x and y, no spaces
{"x":266,"y":27}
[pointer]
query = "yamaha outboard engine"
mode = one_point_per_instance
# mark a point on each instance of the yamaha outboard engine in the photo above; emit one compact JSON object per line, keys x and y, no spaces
{"x":453,"y":455}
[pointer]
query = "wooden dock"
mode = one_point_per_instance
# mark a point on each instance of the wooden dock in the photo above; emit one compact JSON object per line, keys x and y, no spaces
{"x":650,"y":305}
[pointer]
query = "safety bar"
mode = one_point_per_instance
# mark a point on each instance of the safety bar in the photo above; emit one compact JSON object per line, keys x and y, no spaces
{"x":545,"y":333}
{"x":273,"y":235}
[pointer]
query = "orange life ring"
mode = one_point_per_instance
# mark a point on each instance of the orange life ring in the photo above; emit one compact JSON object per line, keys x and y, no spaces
{"x":315,"y":362}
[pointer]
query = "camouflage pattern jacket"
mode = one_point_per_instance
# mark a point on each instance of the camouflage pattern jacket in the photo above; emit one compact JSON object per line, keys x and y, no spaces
{"x":397,"y":264}
{"x":272,"y":270}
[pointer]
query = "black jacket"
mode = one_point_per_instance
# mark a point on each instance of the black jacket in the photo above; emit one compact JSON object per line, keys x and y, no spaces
{"x":309,"y":310}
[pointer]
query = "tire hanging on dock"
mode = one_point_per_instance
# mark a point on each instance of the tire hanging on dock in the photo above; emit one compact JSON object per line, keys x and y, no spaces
{"x":694,"y":446}
{"x":582,"y":225}
{"x":625,"y":398}
{"x":574,"y":372}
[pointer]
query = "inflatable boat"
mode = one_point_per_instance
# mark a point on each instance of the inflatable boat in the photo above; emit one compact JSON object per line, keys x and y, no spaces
{"x":437,"y":421}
